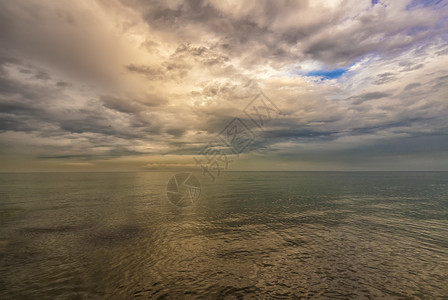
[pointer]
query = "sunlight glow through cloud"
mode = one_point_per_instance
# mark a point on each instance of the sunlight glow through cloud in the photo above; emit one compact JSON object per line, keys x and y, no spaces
{"x":122,"y":84}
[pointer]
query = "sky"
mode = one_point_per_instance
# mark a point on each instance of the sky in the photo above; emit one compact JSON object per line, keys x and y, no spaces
{"x":141,"y":85}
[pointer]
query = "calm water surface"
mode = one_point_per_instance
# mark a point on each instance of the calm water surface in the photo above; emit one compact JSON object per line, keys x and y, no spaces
{"x":252,"y":235}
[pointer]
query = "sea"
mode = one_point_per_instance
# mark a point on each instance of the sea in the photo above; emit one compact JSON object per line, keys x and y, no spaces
{"x":247,"y":235}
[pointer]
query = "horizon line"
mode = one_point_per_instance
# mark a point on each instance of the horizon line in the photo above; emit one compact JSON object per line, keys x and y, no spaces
{"x":234,"y":171}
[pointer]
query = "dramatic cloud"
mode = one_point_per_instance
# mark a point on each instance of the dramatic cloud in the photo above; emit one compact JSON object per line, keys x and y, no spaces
{"x":142,"y":84}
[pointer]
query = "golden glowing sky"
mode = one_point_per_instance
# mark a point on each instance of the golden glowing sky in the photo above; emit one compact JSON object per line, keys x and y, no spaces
{"x":145,"y":85}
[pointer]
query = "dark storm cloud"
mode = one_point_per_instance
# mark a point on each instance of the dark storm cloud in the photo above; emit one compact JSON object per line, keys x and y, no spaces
{"x":234,"y":32}
{"x":179,"y":63}
{"x":120,"y":105}
{"x":382,"y":155}
{"x":296,"y":133}
{"x":411,"y":86}
{"x":103,"y":79}
{"x":385,"y":78}
{"x":169,"y":70}
{"x":20,"y":104}
{"x":312,"y":134}
{"x":369,"y":96}
{"x":410,"y":67}
{"x":202,"y":54}
{"x":133,"y":104}
{"x":250,"y":28}
{"x":44,"y":111}
{"x":62,"y":84}
{"x":116,"y":152}
{"x":154,"y":73}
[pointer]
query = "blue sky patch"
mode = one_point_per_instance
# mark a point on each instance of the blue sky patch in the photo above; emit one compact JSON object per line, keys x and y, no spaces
{"x":425,"y":3}
{"x":327,"y":74}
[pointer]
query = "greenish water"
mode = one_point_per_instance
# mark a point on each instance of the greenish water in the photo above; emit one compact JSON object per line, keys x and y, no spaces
{"x":251,"y":235}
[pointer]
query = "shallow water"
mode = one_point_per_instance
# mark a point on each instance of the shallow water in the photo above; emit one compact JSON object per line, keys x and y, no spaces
{"x":252,"y":235}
